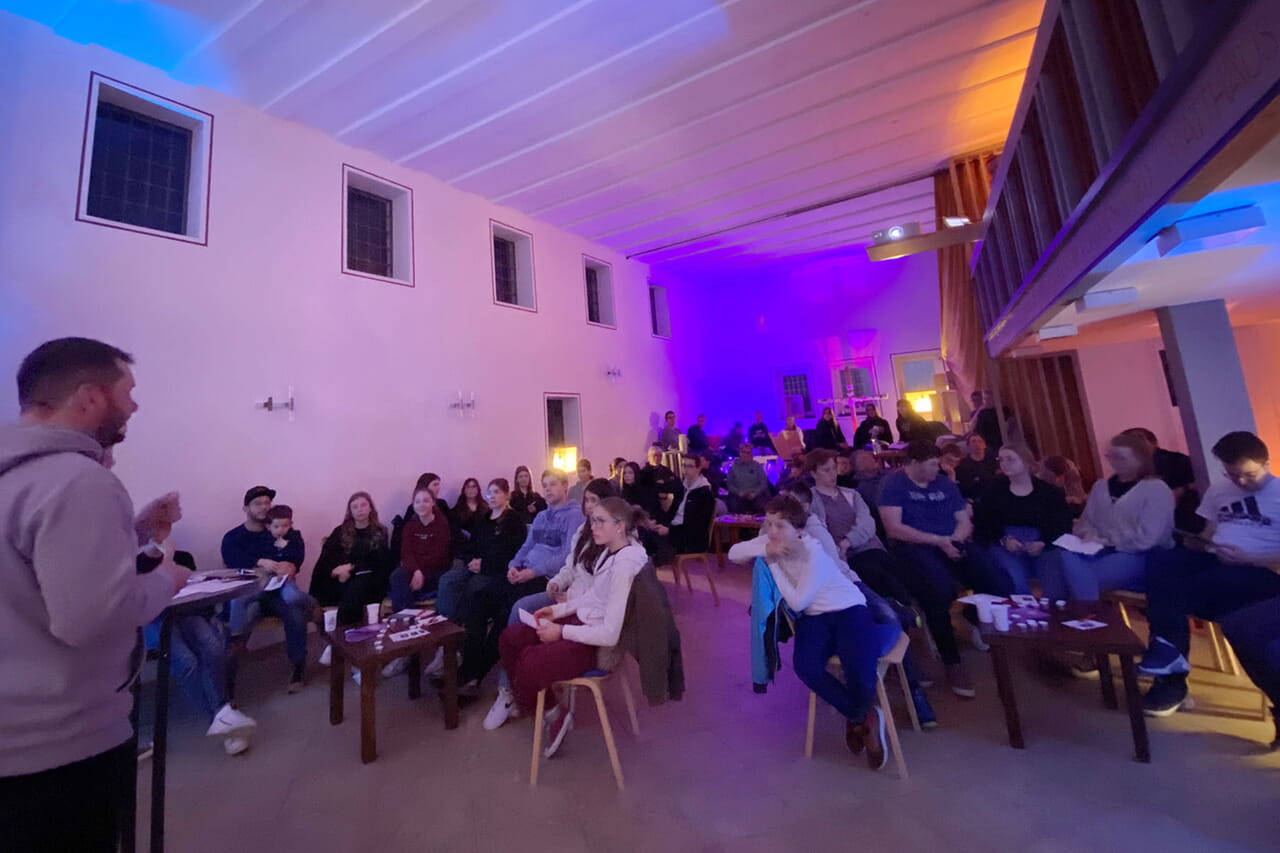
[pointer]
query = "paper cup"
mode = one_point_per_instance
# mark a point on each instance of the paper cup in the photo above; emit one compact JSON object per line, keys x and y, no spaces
{"x":331,"y":620}
{"x":984,"y":609}
{"x":371,"y":613}
{"x":1000,"y":616}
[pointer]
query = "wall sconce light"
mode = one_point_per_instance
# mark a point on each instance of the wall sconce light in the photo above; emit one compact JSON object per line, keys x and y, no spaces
{"x":614,"y":373}
{"x":271,"y":404}
{"x":464,"y":405}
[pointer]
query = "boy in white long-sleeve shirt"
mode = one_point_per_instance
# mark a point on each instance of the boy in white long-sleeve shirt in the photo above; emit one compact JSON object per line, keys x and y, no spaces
{"x":834,"y":619}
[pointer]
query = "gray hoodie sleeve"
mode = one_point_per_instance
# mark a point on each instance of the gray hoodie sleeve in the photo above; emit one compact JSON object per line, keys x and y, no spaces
{"x":84,"y":558}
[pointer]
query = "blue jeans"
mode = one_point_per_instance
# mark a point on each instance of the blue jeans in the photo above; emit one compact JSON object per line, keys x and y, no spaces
{"x":532,"y":603}
{"x":1182,"y":582}
{"x":289,"y":603}
{"x":1080,"y":577}
{"x":451,"y":589}
{"x":1020,"y":568}
{"x":858,"y":641}
{"x":197,"y":659}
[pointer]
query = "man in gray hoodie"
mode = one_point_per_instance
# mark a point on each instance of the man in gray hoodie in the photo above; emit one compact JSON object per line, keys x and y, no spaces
{"x":70,"y":599}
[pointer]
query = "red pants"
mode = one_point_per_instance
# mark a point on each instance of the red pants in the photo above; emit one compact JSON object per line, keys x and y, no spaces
{"x":533,"y":665}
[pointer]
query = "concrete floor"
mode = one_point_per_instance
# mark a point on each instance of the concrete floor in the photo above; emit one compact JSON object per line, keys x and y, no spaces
{"x":723,"y":770}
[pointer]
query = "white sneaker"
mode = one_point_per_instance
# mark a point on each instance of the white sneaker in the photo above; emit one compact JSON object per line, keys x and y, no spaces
{"x":355,"y":674}
{"x":557,"y":728}
{"x":435,"y":669}
{"x":229,"y":721}
{"x":326,"y":656}
{"x":235,"y":744}
{"x":396,"y":667}
{"x":501,"y":711}
{"x":975,"y":637}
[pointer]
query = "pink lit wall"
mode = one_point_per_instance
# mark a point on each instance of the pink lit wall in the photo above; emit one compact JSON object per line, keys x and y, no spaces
{"x":750,"y":327}
{"x":263,"y":307}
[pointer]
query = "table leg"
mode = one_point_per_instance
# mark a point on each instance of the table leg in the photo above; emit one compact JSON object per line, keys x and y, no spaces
{"x":1137,"y":721}
{"x":161,"y":735}
{"x":1004,"y":686}
{"x":415,"y":676}
{"x":1105,"y":681}
{"x":368,"y":714}
{"x":450,"y":693}
{"x":337,"y":683}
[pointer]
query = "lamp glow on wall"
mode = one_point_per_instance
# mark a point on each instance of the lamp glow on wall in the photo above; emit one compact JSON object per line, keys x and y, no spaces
{"x":921,"y":401}
{"x":565,"y":459}
{"x":464,"y":405}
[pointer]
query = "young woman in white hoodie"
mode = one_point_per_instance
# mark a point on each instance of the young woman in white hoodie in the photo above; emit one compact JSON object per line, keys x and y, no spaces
{"x":571,"y":632}
{"x":833,"y":620}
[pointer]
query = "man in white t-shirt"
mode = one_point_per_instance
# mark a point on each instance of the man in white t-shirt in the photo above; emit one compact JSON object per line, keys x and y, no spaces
{"x":1232,"y":567}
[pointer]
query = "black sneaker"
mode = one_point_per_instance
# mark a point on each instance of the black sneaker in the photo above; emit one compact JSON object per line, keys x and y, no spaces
{"x":1165,"y":697}
{"x":298,"y":679}
{"x":855,"y":736}
{"x":877,"y":752}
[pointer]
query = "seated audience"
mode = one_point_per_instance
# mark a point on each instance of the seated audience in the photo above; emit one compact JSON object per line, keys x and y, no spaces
{"x":911,"y":427}
{"x":355,"y":563}
{"x":254,"y":545}
{"x":789,"y":443}
{"x":872,"y":428}
{"x":697,"y":436}
{"x":1130,"y":514}
{"x":845,"y":478}
{"x":1064,"y":474}
{"x":431,"y":482}
{"x":827,"y":433}
{"x":732,"y":440}
{"x":469,"y":508}
{"x":426,"y":552}
{"x":748,"y":484}
{"x":631,"y":490}
{"x":615,"y":471}
{"x":524,"y":500}
{"x":1230,"y":576}
{"x":1018,"y":519}
{"x":710,"y":468}
{"x":792,"y":473}
{"x":833,"y":620}
{"x":1175,"y":470}
{"x":571,"y":632}
{"x":927,"y":521}
{"x":758,"y":434}
{"x":495,"y":540}
{"x":656,"y":479}
{"x":669,"y":438}
{"x":984,"y":421}
{"x":950,"y":455}
{"x":584,"y":477}
{"x":690,"y":525}
{"x":543,"y":552}
{"x":978,"y":470}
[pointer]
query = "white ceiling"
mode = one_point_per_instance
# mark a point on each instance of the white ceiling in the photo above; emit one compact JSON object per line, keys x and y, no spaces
{"x":679,"y":131}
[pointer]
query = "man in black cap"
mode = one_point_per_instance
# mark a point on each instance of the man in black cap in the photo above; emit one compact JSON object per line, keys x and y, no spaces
{"x":242,"y":548}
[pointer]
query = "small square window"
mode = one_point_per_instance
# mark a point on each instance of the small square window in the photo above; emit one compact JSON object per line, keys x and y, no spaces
{"x":598,"y":277}
{"x":795,"y":395}
{"x":377,"y":226}
{"x":659,"y":315}
{"x":146,"y":162}
{"x":512,"y":267}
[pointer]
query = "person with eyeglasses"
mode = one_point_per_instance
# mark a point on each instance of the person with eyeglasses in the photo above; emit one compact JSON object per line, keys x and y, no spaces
{"x":1230,"y":574}
{"x":570,"y":633}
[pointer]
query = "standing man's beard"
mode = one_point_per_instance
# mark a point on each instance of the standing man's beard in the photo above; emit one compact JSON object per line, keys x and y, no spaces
{"x":111,"y":430}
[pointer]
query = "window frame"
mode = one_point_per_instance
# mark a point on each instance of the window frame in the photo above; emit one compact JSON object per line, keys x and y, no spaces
{"x":605,"y":292}
{"x":523,"y":250}
{"x":158,"y":107}
{"x":402,"y":224}
{"x":655,"y":327}
{"x":807,"y":373}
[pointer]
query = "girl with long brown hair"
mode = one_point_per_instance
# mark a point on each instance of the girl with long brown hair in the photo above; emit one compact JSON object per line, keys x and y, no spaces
{"x":355,"y":562}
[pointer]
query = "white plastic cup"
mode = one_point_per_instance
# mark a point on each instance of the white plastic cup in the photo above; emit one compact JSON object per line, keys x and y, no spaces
{"x":371,"y":613}
{"x":984,"y":609}
{"x":1000,"y":616}
{"x":330,"y":620}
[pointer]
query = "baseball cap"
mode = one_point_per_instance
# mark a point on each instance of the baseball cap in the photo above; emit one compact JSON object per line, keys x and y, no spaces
{"x":257,"y":492}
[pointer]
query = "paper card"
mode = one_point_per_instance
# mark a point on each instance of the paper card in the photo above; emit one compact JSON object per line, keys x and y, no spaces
{"x":979,"y":597}
{"x":204,"y":587}
{"x":1025,"y":600}
{"x":529,"y":619}
{"x":1072,"y":542}
{"x":275,"y":583}
{"x":1085,"y":624}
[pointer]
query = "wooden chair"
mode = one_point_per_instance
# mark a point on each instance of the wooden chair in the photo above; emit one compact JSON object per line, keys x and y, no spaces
{"x":593,"y":681}
{"x":893,"y":657}
{"x":682,"y":561}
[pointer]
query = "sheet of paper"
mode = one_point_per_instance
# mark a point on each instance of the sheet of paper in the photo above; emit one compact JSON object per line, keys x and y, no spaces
{"x":1085,"y":624}
{"x":528,"y":618}
{"x":204,"y":587}
{"x":275,"y":583}
{"x":981,"y":596}
{"x":1072,"y":542}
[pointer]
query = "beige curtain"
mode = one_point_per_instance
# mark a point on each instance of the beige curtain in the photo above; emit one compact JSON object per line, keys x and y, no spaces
{"x":961,"y":190}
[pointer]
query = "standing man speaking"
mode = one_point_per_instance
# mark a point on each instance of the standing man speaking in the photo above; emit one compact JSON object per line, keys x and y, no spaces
{"x":71,"y":600}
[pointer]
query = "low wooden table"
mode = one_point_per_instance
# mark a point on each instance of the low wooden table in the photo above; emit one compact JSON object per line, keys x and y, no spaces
{"x":370,"y":662}
{"x":1115,"y":639}
{"x":729,"y":523}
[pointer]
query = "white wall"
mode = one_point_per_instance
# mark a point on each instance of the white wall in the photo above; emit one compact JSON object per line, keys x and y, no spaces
{"x":1125,"y":387}
{"x":263,"y":306}
{"x":750,"y":326}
